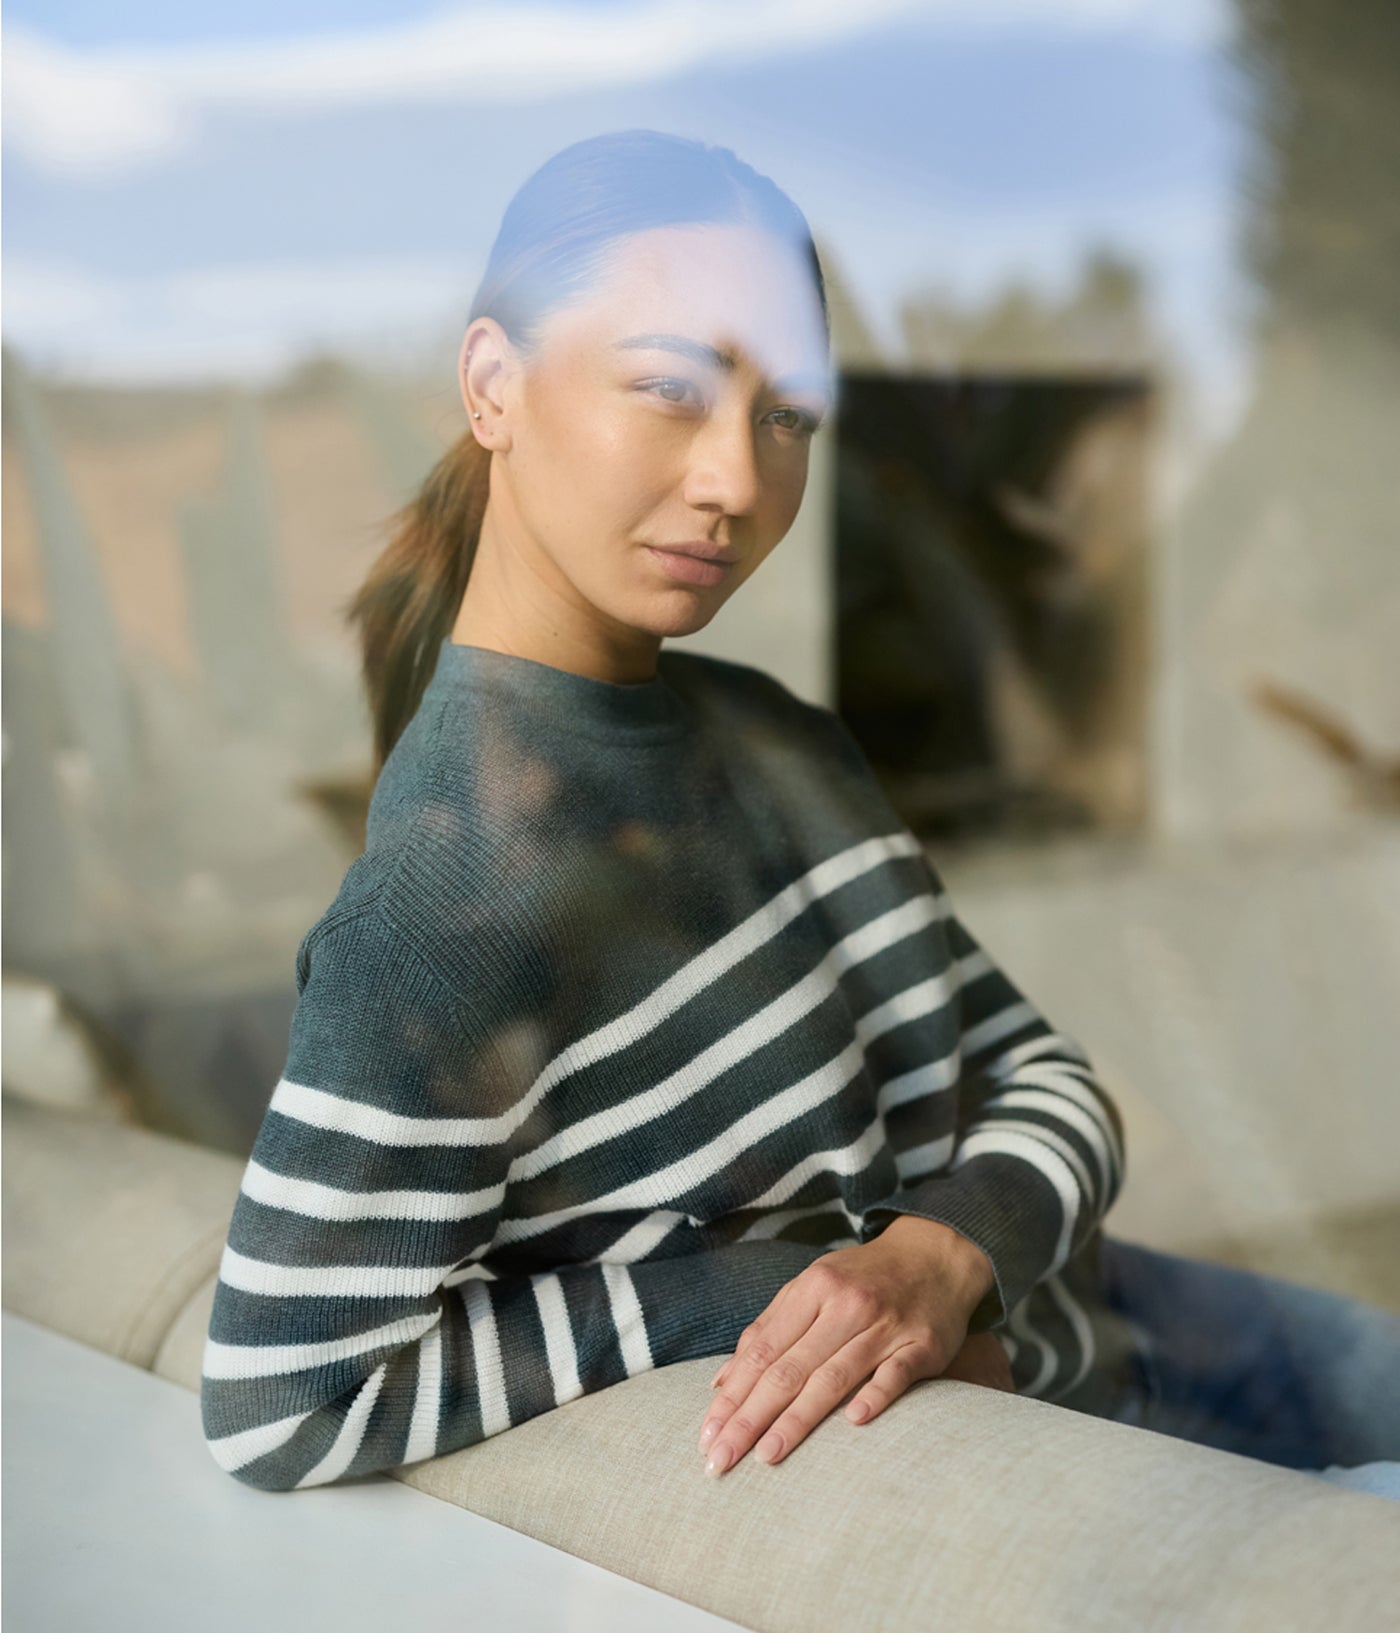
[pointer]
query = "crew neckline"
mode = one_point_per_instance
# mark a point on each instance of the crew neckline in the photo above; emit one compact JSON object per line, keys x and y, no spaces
{"x":648,"y":710}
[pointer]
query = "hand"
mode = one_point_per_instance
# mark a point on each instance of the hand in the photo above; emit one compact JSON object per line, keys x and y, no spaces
{"x":982,"y":1360}
{"x":882,"y":1314}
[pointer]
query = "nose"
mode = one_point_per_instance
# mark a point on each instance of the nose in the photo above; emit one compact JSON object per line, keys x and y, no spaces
{"x":723,"y":474}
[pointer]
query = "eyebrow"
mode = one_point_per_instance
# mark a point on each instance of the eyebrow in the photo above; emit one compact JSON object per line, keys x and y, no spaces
{"x":714,"y":358}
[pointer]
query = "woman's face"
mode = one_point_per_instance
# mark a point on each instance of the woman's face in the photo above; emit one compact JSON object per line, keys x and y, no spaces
{"x":673,"y":406}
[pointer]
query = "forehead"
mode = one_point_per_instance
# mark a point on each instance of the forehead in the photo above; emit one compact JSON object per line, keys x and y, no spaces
{"x":739,"y":289}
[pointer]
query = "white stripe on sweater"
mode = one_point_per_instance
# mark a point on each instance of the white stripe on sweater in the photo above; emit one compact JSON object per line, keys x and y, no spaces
{"x":920,"y":1161}
{"x":470,"y":1272}
{"x":260,"y":1360}
{"x":911,"y":1003}
{"x":427,"y":1399}
{"x":731,"y":949}
{"x":934,"y":1077}
{"x":1011,"y":1019}
{"x":914,"y":1165}
{"x":323,"y":1109}
{"x":330,"y":1280}
{"x":1008,"y":1143}
{"x":352,"y":1433}
{"x":640,"y":1240}
{"x":558,"y":1336}
{"x":752,"y":1034}
{"x":1019,"y":1321}
{"x":318,"y":1108}
{"x":773,"y":1224}
{"x":317,"y":1201}
{"x":486,"y":1353}
{"x":233,"y":1451}
{"x":663,"y":1185}
{"x":627,"y":1318}
{"x":1055,"y":1044}
{"x":1079,"y":1322}
{"x":1057,"y":1143}
{"x":849,"y":1159}
{"x":1066,"y":1082}
{"x":1062,"y":1107}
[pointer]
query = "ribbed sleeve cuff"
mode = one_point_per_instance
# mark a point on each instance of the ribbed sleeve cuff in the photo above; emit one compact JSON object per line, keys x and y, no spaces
{"x":1002,"y":1206}
{"x":699,"y":1303}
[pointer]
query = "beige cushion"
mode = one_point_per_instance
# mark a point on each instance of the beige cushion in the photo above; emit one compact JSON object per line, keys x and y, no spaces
{"x":180,"y":1357}
{"x":958,"y":1507}
{"x":108,"y":1230}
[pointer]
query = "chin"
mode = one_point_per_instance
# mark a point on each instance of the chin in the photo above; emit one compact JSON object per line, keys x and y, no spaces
{"x":679,"y":615}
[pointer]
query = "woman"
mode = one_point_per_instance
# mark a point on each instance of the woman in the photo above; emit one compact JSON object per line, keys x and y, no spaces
{"x":643,"y":1030}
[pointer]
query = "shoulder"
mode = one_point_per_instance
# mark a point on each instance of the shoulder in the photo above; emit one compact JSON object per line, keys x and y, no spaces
{"x":443,"y":838}
{"x":744,"y":688}
{"x":380,"y":1022}
{"x":804,"y":753}
{"x":356,"y":950}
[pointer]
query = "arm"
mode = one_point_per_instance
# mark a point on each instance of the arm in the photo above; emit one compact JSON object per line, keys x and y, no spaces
{"x":1038,"y":1158}
{"x":350,"y":1331}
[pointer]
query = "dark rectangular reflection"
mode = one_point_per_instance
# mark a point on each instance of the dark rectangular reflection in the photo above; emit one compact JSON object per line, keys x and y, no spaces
{"x":991,"y":551}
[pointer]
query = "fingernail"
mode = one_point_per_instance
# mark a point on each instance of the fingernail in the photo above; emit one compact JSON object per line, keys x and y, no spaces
{"x":708,"y":1433}
{"x":720,"y":1459}
{"x":770,"y":1448}
{"x":716,"y":1378}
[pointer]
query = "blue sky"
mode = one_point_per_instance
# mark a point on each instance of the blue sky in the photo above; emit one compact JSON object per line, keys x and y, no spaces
{"x":214,"y":189}
{"x":98,"y":22}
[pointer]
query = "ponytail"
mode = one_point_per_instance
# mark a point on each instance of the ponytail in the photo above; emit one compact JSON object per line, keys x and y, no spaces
{"x":552,"y":243}
{"x":407,"y":606}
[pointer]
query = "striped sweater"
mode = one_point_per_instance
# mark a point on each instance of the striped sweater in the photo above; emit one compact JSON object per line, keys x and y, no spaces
{"x":639,"y":999}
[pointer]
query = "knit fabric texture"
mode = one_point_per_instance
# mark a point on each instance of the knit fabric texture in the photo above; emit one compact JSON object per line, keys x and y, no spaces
{"x":639,"y":999}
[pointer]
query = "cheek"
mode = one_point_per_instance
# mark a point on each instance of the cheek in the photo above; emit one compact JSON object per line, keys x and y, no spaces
{"x":782,"y":494}
{"x":595,"y":488}
{"x":612,"y":463}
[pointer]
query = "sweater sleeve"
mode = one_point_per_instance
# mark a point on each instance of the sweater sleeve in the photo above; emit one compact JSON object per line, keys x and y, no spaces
{"x":353,"y":1329}
{"x":1038,"y":1155}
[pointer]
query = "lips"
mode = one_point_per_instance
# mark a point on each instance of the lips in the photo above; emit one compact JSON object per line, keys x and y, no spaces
{"x":703,"y":549}
{"x":688,"y":568}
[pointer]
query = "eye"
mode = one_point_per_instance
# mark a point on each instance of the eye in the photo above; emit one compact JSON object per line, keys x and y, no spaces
{"x":668,"y":384}
{"x":801,"y":421}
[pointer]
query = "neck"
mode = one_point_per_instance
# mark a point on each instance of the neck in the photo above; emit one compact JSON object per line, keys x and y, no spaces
{"x":518,"y":602}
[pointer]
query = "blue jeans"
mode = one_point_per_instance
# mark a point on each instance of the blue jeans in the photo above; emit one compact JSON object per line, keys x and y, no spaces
{"x":1260,"y":1366}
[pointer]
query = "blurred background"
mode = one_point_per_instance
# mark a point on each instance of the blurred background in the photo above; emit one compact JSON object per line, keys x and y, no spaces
{"x":1098,"y":559}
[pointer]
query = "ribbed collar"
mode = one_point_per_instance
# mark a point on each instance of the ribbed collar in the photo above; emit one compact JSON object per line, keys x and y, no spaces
{"x":643,"y":711}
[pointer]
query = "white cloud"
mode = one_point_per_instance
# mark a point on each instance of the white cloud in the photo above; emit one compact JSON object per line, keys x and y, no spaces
{"x":92,"y":114}
{"x":231,"y":322}
{"x":251,"y":321}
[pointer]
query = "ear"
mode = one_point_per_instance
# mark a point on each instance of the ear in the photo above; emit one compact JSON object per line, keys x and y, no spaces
{"x":484,"y":364}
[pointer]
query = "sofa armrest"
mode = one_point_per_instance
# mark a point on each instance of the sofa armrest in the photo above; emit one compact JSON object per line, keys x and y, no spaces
{"x":958,"y":1506}
{"x":109,"y":1230}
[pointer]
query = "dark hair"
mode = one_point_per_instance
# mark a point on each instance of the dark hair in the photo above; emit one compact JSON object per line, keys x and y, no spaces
{"x":552,"y":242}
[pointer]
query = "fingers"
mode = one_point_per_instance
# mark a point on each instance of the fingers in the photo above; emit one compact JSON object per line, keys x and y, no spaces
{"x":891,"y":1378}
{"x":766,"y":1337}
{"x":785,"y":1400}
{"x":744,"y":1338}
